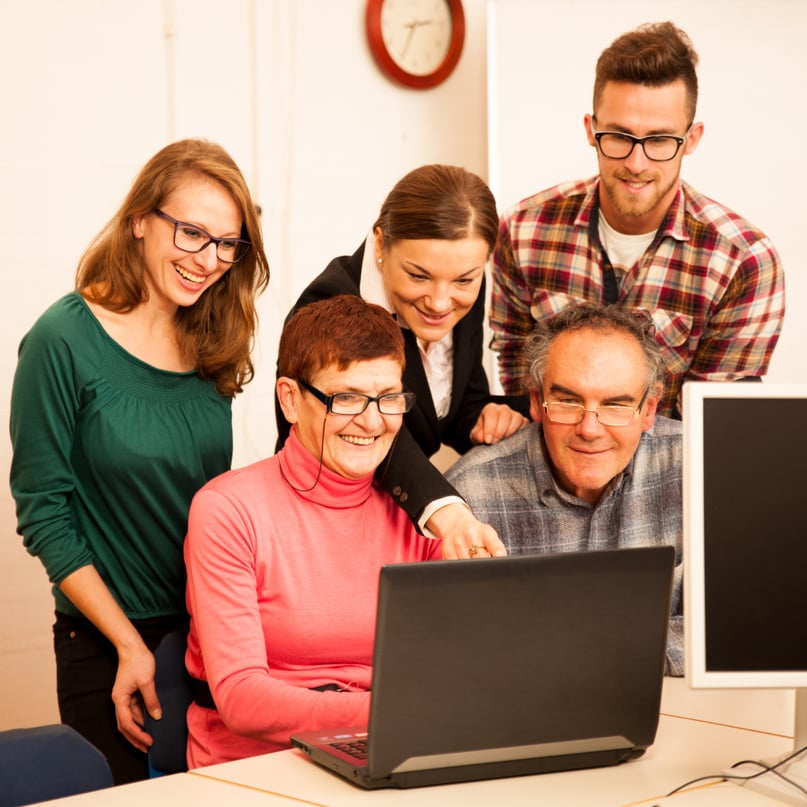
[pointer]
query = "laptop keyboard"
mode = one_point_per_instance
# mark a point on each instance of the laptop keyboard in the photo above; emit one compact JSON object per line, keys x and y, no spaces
{"x":355,"y":748}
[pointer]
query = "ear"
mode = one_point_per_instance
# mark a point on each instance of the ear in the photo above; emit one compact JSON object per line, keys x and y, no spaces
{"x":288,"y":397}
{"x":536,"y":408}
{"x":695,"y":135}
{"x":379,"y":244}
{"x":587,"y":122}
{"x":651,"y":405}
{"x":137,"y":226}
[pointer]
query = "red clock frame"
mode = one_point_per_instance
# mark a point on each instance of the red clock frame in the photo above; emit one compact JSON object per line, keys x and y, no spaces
{"x":388,"y":66}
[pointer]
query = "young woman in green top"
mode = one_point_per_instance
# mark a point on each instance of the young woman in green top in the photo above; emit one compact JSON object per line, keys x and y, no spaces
{"x":120,"y":412}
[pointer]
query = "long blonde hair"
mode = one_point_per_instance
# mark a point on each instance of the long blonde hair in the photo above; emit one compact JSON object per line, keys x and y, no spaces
{"x":217,"y":332}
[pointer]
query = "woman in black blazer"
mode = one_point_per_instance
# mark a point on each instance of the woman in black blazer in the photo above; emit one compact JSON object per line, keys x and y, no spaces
{"x":424,"y":261}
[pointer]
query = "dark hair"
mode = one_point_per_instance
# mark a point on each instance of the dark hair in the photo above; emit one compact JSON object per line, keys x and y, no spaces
{"x":654,"y":54}
{"x":215,"y":333}
{"x":337,"y":332}
{"x":605,"y":319}
{"x":439,"y":202}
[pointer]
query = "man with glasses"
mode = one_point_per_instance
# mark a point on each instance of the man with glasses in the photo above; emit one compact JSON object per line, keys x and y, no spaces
{"x":638,"y":236}
{"x":599,"y":469}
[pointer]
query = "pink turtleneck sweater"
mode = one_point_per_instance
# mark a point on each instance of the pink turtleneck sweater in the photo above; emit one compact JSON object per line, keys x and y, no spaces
{"x":282,"y":590}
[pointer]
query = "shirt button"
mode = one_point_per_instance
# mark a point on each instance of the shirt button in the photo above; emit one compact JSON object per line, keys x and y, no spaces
{"x":396,"y":491}
{"x":404,"y":497}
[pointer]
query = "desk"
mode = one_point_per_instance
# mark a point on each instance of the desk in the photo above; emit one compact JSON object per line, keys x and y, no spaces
{"x":686,"y":747}
{"x":700,"y":733}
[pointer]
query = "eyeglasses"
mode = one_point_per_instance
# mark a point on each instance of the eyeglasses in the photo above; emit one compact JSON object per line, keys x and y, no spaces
{"x":190,"y":238}
{"x":570,"y":414}
{"x":354,"y":403}
{"x":658,"y":148}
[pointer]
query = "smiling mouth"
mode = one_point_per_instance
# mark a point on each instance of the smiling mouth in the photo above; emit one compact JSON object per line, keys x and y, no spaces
{"x":356,"y":440}
{"x":186,"y":275}
{"x":433,"y":319}
{"x":633,"y":183}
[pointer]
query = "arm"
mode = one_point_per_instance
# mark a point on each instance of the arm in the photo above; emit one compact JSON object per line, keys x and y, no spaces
{"x":415,"y":483}
{"x":743,"y":330}
{"x":135,"y":676}
{"x":510,"y":317}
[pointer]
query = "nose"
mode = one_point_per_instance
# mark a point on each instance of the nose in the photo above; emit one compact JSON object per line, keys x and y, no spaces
{"x":371,"y":417}
{"x":438,"y":298}
{"x":636,"y":161}
{"x":207,"y":257}
{"x":589,"y":427}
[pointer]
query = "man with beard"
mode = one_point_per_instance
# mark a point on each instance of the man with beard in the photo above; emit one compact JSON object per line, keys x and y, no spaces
{"x":638,"y":236}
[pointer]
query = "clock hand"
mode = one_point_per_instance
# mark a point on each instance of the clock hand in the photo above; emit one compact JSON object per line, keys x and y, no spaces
{"x":412,"y":26}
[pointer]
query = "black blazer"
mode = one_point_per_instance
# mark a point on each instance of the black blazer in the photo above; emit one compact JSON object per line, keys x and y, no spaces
{"x":407,"y":473}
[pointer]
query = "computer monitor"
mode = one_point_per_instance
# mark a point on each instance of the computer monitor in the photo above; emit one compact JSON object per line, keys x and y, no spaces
{"x":745,"y":540}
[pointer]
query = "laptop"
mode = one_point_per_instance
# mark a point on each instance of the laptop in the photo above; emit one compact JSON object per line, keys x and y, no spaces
{"x":498,"y":667}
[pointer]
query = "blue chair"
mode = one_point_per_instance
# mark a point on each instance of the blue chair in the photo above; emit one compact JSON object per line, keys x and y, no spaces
{"x":170,"y":733}
{"x":48,"y":762}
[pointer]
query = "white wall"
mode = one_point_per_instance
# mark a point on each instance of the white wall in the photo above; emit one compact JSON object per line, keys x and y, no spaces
{"x":90,"y":89}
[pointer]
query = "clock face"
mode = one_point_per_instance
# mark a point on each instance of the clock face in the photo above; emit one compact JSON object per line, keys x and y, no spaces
{"x":417,"y":34}
{"x":416,"y":42}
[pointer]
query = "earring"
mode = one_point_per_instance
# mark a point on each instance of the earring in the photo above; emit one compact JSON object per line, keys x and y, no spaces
{"x":379,"y":261}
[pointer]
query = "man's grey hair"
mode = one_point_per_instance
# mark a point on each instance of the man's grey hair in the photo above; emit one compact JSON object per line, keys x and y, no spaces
{"x":605,"y":319}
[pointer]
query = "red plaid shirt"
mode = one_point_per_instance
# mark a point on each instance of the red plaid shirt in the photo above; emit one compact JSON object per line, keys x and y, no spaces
{"x":712,"y":283}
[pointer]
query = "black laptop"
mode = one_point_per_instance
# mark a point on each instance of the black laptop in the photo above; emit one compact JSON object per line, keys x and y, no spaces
{"x":507,"y":666}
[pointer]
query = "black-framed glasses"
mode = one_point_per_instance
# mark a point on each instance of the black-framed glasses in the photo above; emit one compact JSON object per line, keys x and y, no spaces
{"x":659,"y":148}
{"x":354,"y":403}
{"x":192,"y":238}
{"x":570,"y":414}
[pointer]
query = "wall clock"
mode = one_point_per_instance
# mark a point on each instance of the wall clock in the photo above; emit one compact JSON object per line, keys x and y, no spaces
{"x":416,"y":42}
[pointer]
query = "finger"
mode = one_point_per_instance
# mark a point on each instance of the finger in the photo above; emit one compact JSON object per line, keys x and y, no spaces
{"x":134,"y":733}
{"x":493,"y":546}
{"x":150,"y":700}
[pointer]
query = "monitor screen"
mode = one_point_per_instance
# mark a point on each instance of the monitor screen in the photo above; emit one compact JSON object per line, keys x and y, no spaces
{"x":745,"y":534}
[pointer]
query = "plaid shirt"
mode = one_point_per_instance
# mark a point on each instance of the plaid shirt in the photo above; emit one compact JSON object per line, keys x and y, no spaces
{"x":712,"y":283}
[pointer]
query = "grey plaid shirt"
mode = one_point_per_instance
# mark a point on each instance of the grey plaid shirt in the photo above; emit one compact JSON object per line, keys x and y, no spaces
{"x":511,"y":487}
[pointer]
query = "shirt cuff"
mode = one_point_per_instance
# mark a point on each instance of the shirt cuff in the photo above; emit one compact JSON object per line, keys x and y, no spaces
{"x":432,"y":507}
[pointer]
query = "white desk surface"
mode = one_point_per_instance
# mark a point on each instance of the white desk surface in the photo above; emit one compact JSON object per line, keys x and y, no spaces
{"x":696,"y":744}
{"x":173,"y":791}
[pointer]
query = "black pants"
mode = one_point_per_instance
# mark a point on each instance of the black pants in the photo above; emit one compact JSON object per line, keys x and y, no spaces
{"x":86,"y":666}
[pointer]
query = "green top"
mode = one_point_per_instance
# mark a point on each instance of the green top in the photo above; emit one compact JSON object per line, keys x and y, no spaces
{"x":108,"y":452}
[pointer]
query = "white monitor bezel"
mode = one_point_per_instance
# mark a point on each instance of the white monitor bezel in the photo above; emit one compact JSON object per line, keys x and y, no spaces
{"x":697,"y":674}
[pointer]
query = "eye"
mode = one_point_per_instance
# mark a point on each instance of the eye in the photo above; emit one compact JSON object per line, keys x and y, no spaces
{"x":348,"y":398}
{"x":418,"y":277}
{"x":228,"y":245}
{"x":192,"y":233}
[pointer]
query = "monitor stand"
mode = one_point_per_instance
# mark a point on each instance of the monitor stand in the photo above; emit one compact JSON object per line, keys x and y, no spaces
{"x":774,"y":786}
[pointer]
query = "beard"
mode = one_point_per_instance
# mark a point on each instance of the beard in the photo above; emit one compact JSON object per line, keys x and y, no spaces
{"x":642,"y":204}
